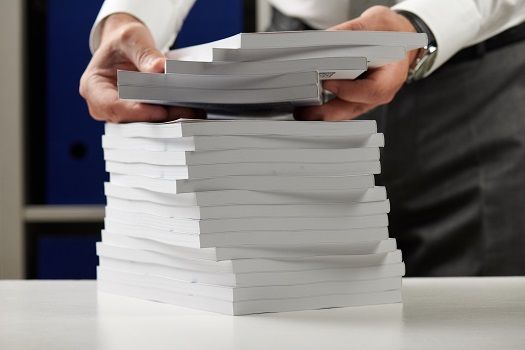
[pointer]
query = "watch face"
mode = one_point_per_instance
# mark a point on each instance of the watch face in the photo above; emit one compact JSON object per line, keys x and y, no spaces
{"x":423,"y":64}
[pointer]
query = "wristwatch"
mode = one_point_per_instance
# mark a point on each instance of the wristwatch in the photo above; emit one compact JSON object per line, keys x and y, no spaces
{"x":427,"y":55}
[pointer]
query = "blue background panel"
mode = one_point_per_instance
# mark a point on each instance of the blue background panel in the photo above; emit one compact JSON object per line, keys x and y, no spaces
{"x":74,"y":169}
{"x":211,"y":20}
{"x":75,"y":166}
{"x":64,"y":256}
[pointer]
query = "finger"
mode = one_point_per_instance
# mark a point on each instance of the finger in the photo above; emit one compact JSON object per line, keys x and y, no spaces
{"x":359,"y":91}
{"x":365,"y":91}
{"x":128,"y":112}
{"x":138,"y":46}
{"x":355,"y":24}
{"x":379,"y":86}
{"x":104,"y":104}
{"x":378,"y":18}
{"x":177,"y":112}
{"x":336,"y":109}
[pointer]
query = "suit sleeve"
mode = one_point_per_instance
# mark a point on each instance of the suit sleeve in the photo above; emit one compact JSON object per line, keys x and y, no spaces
{"x":457,"y":24}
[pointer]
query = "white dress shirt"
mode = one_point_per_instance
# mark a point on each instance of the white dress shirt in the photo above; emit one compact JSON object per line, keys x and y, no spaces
{"x":455,"y":23}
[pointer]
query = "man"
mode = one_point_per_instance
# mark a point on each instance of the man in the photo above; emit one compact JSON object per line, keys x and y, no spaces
{"x":454,"y":162}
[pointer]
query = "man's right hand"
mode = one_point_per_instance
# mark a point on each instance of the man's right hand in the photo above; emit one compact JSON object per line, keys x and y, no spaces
{"x":126,"y":44}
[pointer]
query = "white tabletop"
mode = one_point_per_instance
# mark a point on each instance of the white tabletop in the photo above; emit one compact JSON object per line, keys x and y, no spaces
{"x":448,"y":313}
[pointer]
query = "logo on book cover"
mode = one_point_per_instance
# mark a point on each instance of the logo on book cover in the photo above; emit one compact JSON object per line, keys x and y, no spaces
{"x":326,"y":75}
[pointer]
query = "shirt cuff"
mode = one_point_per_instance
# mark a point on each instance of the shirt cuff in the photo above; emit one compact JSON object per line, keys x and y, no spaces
{"x":454,"y":24}
{"x":158,"y":15}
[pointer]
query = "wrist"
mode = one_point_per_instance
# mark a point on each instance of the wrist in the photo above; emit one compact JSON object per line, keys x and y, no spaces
{"x":421,"y":60}
{"x":114,"y":22}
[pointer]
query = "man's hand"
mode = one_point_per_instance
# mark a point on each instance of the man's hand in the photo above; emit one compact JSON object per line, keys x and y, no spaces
{"x":377,"y":86}
{"x":125,"y":44}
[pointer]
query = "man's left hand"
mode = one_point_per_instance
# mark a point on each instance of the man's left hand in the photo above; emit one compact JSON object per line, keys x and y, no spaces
{"x":377,"y":86}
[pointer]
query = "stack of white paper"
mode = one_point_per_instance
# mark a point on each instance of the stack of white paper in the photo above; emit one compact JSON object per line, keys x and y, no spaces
{"x":247,"y":216}
{"x":260,"y":72}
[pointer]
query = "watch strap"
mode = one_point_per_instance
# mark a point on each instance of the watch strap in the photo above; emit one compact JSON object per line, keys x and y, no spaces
{"x":426,"y":56}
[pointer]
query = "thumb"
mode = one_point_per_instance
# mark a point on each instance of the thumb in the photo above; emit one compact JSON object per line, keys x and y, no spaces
{"x":140,"y":49}
{"x":150,"y":60}
{"x":355,"y":24}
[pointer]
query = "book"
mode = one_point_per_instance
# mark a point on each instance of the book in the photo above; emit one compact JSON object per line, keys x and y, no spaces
{"x":304,"y":39}
{"x":326,"y":67}
{"x":376,"y":56}
{"x":226,"y":101}
{"x":254,"y":265}
{"x":246,"y":211}
{"x":273,"y":40}
{"x":256,"y":183}
{"x":207,"y":171}
{"x":219,"y":82}
{"x":248,"y":238}
{"x":239,"y":197}
{"x":242,"y":156}
{"x":249,"y":293}
{"x":249,"y":307}
{"x":217,"y":143}
{"x":195,"y":127}
{"x":258,"y":278}
{"x":191,"y":226}
{"x":249,"y":252}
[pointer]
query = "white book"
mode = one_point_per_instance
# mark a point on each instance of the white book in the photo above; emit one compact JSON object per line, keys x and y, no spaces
{"x":250,"y":307}
{"x":327,"y":67}
{"x":191,"y":226}
{"x":249,"y":265}
{"x":242,"y":156}
{"x":250,"y":238}
{"x":223,"y":100}
{"x":376,"y":56}
{"x":233,"y":294}
{"x":276,"y":116}
{"x":197,"y":127}
{"x":233,"y":197}
{"x":215,"y":143}
{"x":258,"y":278}
{"x":269,"y":251}
{"x":247,"y":211}
{"x":305,"y":39}
{"x":219,"y":82}
{"x":255,"y":183}
{"x":270,"y":40}
{"x":207,"y":171}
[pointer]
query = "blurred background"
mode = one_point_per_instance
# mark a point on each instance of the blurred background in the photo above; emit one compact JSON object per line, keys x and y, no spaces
{"x":51,"y":163}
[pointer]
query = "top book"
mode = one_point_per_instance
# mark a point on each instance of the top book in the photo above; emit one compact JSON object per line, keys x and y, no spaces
{"x":302,"y":39}
{"x":311,"y":38}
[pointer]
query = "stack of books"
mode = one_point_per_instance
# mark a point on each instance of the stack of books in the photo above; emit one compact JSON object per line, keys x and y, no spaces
{"x":265,"y":72}
{"x":247,"y":216}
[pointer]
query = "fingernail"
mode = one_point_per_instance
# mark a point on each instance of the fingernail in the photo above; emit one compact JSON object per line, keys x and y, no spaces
{"x":331,"y":86}
{"x":152,"y":60}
